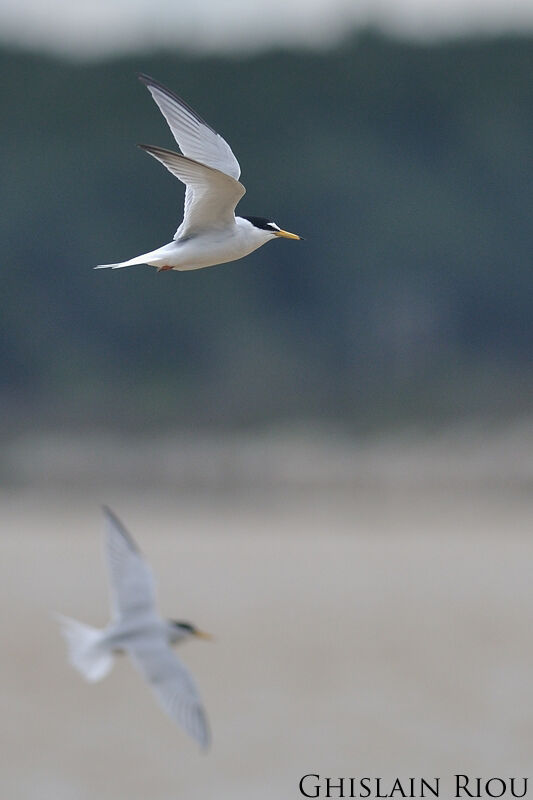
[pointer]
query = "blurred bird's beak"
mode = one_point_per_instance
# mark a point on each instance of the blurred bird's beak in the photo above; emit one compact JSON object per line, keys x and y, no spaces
{"x":287,"y":235}
{"x":203,"y":635}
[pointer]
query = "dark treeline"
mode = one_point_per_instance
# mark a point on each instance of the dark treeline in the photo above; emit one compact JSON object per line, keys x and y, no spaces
{"x":407,"y":168}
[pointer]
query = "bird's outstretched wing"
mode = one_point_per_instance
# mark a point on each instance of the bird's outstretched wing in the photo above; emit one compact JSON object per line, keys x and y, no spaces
{"x":211,"y":195}
{"x":130,"y":578}
{"x":172,"y":684}
{"x":196,"y":139}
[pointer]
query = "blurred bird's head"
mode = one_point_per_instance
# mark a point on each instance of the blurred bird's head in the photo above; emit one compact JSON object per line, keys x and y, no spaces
{"x":269,"y":228}
{"x":181,"y":630}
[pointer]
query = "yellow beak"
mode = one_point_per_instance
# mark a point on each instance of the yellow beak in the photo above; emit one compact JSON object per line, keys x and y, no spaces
{"x":203,"y":635}
{"x":287,"y":235}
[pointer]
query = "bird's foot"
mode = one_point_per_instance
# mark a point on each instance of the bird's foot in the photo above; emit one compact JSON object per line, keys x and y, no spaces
{"x":164,"y":268}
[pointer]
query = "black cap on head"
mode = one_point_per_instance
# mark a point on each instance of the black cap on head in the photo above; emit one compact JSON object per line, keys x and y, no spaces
{"x":263,"y":223}
{"x":185,"y":626}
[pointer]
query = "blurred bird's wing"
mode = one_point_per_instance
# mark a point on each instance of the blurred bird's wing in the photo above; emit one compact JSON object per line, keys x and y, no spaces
{"x":130,"y":578}
{"x":196,"y":139}
{"x":211,"y":195}
{"x":172,"y":684}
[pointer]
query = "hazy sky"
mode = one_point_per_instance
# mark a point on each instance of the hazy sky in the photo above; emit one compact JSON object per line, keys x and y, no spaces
{"x":93,"y":27}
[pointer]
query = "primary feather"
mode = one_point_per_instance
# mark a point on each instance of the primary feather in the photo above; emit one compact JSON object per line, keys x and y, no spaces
{"x":196,"y":139}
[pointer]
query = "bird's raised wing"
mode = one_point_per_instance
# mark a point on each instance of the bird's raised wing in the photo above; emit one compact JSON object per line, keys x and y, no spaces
{"x":130,"y":578}
{"x":211,"y":195}
{"x":172,"y":684}
{"x":196,"y":139}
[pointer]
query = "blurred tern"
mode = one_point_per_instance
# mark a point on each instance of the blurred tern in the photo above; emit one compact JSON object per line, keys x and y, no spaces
{"x":137,"y":629}
{"x":210,"y":232}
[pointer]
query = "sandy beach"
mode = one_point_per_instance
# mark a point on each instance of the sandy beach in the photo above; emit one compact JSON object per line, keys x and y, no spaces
{"x":380,"y":632}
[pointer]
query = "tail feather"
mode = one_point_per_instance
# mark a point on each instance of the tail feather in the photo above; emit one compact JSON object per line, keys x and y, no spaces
{"x":118,"y":265}
{"x":85,"y":650}
{"x":129,"y":263}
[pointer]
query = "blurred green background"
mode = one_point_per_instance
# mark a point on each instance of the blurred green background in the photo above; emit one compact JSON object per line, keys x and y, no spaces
{"x":408,"y":168}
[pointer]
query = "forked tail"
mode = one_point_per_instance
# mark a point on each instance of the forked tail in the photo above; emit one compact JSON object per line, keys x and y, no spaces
{"x":129,"y":263}
{"x":85,"y":648}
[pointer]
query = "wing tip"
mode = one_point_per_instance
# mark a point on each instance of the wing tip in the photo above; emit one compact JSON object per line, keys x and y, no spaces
{"x":203,"y":736}
{"x":117,"y":525}
{"x":154,"y":148}
{"x":151,"y":83}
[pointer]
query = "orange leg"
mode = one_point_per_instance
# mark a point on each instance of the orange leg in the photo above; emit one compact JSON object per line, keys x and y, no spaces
{"x":164,"y":268}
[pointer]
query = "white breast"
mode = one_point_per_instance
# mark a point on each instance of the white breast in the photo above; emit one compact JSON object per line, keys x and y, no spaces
{"x":210,"y":248}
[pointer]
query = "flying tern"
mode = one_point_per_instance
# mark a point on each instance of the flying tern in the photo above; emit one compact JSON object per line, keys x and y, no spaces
{"x":210,"y":233}
{"x":138,"y":630}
